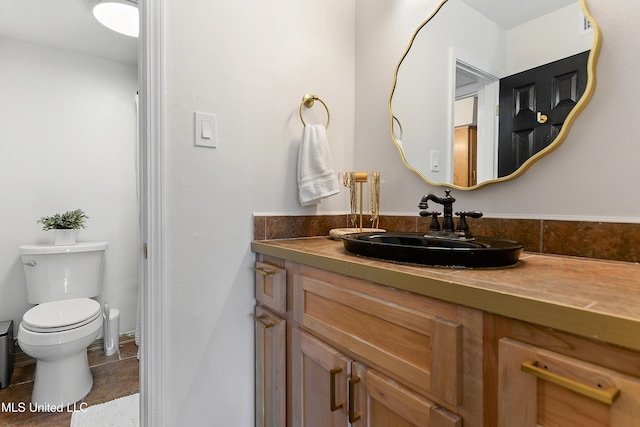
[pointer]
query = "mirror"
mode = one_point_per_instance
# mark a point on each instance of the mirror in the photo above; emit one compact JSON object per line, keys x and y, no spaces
{"x":464,"y":109}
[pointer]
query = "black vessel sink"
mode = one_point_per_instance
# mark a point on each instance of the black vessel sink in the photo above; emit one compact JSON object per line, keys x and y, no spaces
{"x":481,"y":252}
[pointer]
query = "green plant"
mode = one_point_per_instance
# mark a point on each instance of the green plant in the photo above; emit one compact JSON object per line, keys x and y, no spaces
{"x":68,"y":220}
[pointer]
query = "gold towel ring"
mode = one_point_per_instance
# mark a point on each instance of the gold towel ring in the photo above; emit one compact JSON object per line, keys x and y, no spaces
{"x":393,"y":131}
{"x":308,"y":101}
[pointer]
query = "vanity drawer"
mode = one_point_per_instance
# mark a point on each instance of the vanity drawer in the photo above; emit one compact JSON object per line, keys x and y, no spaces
{"x":271,"y":286}
{"x":544,"y":388}
{"x":415,"y":343}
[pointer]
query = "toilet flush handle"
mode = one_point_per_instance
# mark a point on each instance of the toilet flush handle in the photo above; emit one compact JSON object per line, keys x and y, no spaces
{"x":31,"y":263}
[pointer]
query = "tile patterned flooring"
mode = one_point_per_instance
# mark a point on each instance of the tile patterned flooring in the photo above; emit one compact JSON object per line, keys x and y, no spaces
{"x":112,"y":378}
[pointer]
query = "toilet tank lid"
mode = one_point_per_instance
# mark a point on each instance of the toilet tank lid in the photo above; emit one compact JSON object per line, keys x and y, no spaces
{"x":59,"y":249}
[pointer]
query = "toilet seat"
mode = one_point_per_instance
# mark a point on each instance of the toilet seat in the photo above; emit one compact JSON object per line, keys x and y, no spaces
{"x":59,"y":316}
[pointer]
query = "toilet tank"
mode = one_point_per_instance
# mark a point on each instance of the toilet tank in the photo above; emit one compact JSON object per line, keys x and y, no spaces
{"x":63,"y":272}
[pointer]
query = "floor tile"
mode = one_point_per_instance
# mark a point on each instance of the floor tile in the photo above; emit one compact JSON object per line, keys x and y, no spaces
{"x":114,"y":376}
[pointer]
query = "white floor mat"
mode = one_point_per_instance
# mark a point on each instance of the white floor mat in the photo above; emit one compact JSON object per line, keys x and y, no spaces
{"x":121,"y":412}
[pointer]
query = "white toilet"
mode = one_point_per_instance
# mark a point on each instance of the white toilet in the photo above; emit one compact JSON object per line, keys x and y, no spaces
{"x":56,"y":332}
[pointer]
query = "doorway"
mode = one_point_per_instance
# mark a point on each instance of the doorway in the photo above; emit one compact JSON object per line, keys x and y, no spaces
{"x":475,"y":95}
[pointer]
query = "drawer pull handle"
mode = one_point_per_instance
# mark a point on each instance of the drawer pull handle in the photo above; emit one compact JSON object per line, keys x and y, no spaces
{"x":262,"y":320}
{"x":264,"y":271}
{"x":605,"y":396}
{"x":332,"y":392}
{"x":353,"y":417}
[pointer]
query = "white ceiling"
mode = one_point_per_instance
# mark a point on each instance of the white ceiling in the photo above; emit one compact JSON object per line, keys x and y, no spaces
{"x":69,"y":24}
{"x":511,"y":13}
{"x":66,"y":24}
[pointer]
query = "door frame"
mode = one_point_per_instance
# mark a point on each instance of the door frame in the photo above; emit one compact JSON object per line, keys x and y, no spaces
{"x":151,"y":185}
{"x":486,"y":88}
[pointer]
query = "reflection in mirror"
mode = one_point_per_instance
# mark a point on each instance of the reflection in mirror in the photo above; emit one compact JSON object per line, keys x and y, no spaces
{"x":465,"y":93}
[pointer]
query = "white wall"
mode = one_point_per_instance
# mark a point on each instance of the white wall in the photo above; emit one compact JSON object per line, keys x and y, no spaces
{"x":592,"y":175}
{"x":535,"y":42}
{"x":67,"y":141}
{"x":249,"y":62}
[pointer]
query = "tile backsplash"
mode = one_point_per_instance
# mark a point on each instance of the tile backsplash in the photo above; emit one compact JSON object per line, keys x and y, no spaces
{"x":602,"y":240}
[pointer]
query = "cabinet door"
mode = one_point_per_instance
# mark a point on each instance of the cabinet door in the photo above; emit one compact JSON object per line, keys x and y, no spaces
{"x":271,"y":286}
{"x":421,"y":348}
{"x":541,"y":388}
{"x":271,"y":362}
{"x":319,"y":380}
{"x":382,"y":402}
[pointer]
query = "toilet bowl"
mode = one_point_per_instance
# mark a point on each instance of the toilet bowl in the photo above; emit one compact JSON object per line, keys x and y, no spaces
{"x":61,"y":280}
{"x":57,"y":335}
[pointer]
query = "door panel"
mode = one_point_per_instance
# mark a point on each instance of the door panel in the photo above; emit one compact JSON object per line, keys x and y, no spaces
{"x":465,"y":156}
{"x":271,"y":362}
{"x":383,"y":402}
{"x":422,"y":350}
{"x":533,"y":107}
{"x":319,"y":376}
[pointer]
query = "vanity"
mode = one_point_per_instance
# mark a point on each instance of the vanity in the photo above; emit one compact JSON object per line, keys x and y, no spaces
{"x":347,"y":340}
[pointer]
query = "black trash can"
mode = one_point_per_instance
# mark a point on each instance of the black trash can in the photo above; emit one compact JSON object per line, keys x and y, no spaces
{"x":6,"y":353}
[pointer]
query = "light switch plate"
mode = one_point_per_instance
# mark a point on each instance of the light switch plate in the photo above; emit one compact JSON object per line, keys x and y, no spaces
{"x":435,"y":161}
{"x":205,"y":130}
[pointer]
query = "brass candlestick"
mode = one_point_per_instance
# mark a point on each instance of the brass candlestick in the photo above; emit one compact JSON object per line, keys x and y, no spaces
{"x":361,"y":178}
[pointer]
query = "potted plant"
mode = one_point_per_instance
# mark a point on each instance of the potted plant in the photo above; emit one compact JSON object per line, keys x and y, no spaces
{"x":64,"y":225}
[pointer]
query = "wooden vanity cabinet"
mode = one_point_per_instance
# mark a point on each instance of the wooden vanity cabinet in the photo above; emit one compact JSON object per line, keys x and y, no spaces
{"x":270,"y":346}
{"x":544,"y":378}
{"x":542,"y":388}
{"x":332,"y":390}
{"x":355,"y":353}
{"x":408,"y":356}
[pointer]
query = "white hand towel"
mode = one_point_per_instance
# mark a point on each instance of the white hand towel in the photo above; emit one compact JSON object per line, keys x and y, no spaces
{"x":316,"y":177}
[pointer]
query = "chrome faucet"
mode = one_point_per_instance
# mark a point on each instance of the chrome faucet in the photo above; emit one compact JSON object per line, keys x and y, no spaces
{"x":447,"y":230}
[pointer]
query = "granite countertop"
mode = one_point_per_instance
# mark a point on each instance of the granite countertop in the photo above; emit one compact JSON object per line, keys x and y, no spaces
{"x":591,"y":298}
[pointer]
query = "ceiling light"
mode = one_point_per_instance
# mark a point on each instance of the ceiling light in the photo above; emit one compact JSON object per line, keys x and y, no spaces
{"x":118,"y":15}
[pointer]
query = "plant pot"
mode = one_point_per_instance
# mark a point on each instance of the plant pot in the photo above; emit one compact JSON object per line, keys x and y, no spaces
{"x":63,"y":236}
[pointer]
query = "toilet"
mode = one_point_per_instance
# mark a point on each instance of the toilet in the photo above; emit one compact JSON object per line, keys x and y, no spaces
{"x":61,"y":280}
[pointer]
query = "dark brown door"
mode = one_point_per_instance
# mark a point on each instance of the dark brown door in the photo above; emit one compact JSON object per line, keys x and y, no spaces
{"x":533,"y":107}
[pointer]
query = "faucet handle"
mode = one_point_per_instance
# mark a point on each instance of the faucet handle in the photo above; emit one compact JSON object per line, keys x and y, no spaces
{"x":435,"y":224}
{"x":462,"y":229}
{"x":470,"y":214}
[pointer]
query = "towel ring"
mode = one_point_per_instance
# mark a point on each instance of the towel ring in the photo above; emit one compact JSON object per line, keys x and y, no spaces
{"x":393,"y":131}
{"x":308,"y":101}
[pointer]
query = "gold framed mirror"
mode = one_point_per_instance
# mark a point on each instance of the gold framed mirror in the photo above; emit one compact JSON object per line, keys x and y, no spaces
{"x":487,"y":88}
